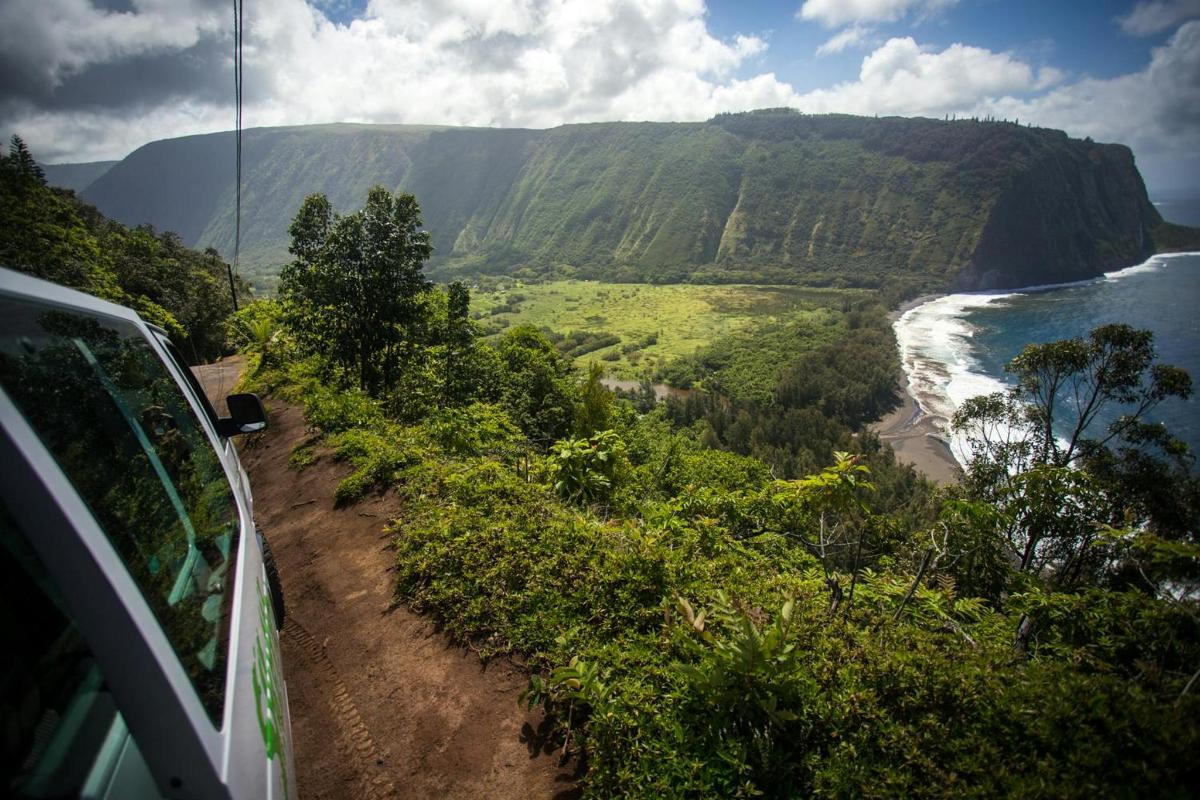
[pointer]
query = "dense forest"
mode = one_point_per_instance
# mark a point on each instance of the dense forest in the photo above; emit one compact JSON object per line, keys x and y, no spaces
{"x":743,"y":594}
{"x":772,"y":196}
{"x":50,"y":234}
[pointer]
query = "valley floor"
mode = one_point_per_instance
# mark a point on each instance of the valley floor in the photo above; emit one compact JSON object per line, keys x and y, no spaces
{"x":382,"y":704}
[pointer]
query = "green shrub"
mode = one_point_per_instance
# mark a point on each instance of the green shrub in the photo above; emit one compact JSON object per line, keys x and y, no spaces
{"x":473,"y":430}
{"x":336,"y":410}
{"x":303,"y":455}
{"x":587,"y":470}
{"x":918,"y":697}
{"x":378,"y":456}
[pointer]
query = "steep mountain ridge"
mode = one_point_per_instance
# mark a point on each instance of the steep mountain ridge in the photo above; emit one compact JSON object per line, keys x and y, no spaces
{"x":76,"y":177}
{"x":771,"y":196}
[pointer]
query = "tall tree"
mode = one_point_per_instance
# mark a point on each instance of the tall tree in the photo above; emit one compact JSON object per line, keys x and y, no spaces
{"x":353,"y":292}
{"x":1040,"y":453}
{"x":460,"y":382}
{"x":21,"y":162}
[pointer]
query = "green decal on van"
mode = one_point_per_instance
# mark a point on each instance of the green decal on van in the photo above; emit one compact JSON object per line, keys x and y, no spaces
{"x":268,"y":686}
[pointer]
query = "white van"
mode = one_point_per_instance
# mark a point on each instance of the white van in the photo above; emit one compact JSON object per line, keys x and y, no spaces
{"x":139,"y":653}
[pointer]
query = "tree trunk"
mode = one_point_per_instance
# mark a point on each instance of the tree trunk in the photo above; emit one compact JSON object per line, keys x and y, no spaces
{"x":916,"y":582}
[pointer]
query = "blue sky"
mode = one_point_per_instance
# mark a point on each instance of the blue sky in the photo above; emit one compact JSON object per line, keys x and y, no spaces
{"x":1079,"y":37}
{"x":89,"y":79}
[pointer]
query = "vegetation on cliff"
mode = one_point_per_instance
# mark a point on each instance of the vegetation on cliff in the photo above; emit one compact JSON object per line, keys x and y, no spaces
{"x":50,"y":234}
{"x":772,"y":196}
{"x":706,"y":623}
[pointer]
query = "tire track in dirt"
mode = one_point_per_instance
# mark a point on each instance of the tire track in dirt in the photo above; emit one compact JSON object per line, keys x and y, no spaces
{"x":355,"y":742}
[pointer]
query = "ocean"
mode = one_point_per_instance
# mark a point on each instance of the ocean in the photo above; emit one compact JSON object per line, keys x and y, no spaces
{"x":955,"y":347}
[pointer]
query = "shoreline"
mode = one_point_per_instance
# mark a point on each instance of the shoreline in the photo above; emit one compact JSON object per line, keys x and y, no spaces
{"x":914,"y":435}
{"x":908,"y":305}
{"x":916,"y":439}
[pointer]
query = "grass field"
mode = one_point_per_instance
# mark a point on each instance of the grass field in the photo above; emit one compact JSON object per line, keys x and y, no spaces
{"x":656,"y":324}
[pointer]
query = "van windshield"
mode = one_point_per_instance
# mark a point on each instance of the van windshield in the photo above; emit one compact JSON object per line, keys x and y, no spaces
{"x":121,"y":429}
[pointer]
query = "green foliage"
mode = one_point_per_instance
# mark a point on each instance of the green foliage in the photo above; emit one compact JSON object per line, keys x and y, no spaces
{"x":336,"y":410}
{"x":1068,"y":386}
{"x":594,"y":410}
{"x":353,"y":292}
{"x":474,"y":430}
{"x":747,"y":365}
{"x":1124,"y":633}
{"x":656,"y":325}
{"x":1042,"y":456}
{"x":580,"y":343}
{"x":535,"y":384}
{"x":303,"y":455}
{"x":377,"y":455}
{"x":911,"y":688}
{"x":744,"y":676}
{"x":253,"y":328}
{"x":48,"y":233}
{"x":587,"y":470}
{"x":918,"y":697}
{"x":970,"y":548}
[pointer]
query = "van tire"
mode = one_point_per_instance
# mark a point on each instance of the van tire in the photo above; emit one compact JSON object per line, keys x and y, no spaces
{"x":273,"y":582}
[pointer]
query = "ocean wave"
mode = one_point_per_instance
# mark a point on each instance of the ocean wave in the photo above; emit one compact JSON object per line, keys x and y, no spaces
{"x":935,"y":348}
{"x":935,"y":351}
{"x":1152,"y":264}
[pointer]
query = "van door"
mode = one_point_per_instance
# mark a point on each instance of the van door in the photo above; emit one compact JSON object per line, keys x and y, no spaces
{"x":130,"y":469}
{"x":61,"y":734}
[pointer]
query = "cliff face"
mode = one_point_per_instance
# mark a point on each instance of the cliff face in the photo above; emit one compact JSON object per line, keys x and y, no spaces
{"x":76,"y":177}
{"x":1078,"y":210}
{"x":771,"y":196}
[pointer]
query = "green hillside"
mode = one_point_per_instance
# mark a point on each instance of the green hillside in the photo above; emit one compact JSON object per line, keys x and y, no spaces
{"x":765,"y":197}
{"x":76,"y":177}
{"x":49,"y":233}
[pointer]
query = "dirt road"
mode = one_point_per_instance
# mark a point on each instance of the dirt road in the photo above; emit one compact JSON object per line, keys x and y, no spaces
{"x":218,"y":380}
{"x":382,"y":705}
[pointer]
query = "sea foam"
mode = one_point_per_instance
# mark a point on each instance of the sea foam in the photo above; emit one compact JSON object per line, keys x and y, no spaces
{"x":936,"y":349}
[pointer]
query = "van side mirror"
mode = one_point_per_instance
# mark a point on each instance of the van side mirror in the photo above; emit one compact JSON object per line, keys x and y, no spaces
{"x":246,"y":415}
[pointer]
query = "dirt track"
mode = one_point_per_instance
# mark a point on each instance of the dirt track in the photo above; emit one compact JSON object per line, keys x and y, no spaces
{"x":382,"y":705}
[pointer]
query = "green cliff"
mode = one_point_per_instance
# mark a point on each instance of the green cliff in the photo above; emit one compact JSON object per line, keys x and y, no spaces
{"x":769,"y":196}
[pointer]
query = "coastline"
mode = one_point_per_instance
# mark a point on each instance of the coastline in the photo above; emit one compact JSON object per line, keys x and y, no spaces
{"x":914,"y":436}
{"x":909,"y":305}
{"x":913,"y":433}
{"x":916,"y":439}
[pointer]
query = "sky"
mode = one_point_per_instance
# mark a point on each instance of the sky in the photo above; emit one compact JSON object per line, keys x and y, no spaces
{"x":85,"y":80}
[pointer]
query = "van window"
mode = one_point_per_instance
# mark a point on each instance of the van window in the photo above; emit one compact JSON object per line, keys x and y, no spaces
{"x":121,"y":429}
{"x":55,"y":709}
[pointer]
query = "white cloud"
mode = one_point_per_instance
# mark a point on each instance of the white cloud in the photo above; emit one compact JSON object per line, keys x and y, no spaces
{"x":853,"y":36}
{"x":517,"y":63}
{"x":1156,"y":16}
{"x":1156,"y":110}
{"x":539,"y":63}
{"x":54,"y":39}
{"x":91,"y":136}
{"x":902,"y":78}
{"x":532,"y":63}
{"x":833,"y":13}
